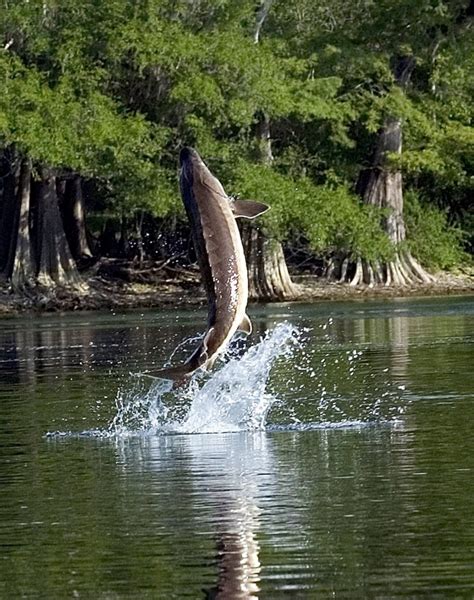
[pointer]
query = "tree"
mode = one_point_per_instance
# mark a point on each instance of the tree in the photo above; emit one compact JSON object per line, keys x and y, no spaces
{"x":56,"y":116}
{"x":9,"y":176}
{"x":268,"y":273}
{"x":22,"y":265}
{"x":225,"y":89}
{"x":381,"y":186}
{"x":267,"y":270}
{"x":374,"y":49}
{"x":297,"y":104}
{"x":56,"y":265}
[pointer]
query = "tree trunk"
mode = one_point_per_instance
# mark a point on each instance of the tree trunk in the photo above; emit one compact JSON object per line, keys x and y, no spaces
{"x":267,"y":271}
{"x":55,"y":265}
{"x":21,"y":257}
{"x":124,"y":242}
{"x":9,"y":168}
{"x":262,"y":14}
{"x":381,"y":186}
{"x":15,"y":247}
{"x":74,"y":219}
{"x":139,"y":233}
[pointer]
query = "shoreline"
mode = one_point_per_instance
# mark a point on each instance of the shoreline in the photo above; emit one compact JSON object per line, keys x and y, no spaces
{"x":171,"y":287}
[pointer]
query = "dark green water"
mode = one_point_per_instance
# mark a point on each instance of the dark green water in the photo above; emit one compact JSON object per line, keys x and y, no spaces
{"x":361,"y":485}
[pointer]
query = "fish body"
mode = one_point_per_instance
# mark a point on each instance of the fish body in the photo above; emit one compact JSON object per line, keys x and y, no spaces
{"x":212,"y":216}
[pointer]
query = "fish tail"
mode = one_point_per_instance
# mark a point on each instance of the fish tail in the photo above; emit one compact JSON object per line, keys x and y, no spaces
{"x":180,"y":373}
{"x":177,"y":374}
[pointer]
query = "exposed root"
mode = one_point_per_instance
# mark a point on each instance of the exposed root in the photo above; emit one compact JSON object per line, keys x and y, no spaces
{"x":358,"y":275}
{"x":402,"y":271}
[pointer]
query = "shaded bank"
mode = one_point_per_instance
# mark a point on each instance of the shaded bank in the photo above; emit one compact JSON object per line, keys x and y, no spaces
{"x":118,"y":285}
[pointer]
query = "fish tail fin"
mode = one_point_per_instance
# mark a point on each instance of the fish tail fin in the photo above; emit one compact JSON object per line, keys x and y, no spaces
{"x":177,"y":374}
{"x":180,"y":373}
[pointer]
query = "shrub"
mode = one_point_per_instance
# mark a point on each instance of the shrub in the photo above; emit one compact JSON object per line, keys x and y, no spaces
{"x":430,"y":238}
{"x":331,"y":217}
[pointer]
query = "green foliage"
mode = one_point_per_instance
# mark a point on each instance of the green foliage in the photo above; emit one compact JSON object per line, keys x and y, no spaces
{"x":332,"y":219}
{"x":431,"y":239}
{"x":112,"y":89}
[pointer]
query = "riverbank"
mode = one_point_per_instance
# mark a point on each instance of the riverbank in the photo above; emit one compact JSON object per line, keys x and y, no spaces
{"x":120,"y":285}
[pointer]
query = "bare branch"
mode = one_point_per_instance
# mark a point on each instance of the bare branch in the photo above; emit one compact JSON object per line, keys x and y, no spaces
{"x":262,"y":14}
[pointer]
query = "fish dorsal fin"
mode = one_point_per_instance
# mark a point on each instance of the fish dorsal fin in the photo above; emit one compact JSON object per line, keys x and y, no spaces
{"x":246,"y":325}
{"x":248,"y":209}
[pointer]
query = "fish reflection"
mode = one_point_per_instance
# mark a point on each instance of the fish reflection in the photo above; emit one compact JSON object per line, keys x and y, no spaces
{"x":232,"y":489}
{"x":230,"y":474}
{"x":238,"y":558}
{"x":236,"y":538}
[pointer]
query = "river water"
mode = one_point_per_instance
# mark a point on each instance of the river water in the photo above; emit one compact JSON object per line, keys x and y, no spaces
{"x":330,"y":456}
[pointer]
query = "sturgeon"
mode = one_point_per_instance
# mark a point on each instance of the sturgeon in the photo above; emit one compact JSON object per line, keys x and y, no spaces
{"x":212,"y":215}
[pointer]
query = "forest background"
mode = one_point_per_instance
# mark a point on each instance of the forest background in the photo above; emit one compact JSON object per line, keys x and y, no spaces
{"x":353,"y":120}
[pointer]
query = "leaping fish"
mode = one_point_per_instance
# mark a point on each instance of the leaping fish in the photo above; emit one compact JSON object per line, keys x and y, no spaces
{"x":212,"y":215}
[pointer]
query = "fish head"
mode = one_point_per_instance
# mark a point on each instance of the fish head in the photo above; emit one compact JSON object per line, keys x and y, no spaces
{"x":194,"y":169}
{"x":188,"y":154}
{"x":189,"y":161}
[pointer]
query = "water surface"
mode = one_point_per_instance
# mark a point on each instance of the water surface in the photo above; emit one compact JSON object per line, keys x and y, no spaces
{"x":360,"y":484}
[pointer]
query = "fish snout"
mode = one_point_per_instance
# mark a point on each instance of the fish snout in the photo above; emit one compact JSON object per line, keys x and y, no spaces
{"x":188,"y":154}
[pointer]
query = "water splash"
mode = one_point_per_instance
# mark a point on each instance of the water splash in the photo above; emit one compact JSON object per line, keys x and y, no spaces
{"x":292,"y":379}
{"x":233,"y":398}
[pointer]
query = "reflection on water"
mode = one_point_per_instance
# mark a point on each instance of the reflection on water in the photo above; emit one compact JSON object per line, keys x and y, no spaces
{"x":229,"y":484}
{"x":307,"y":508}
